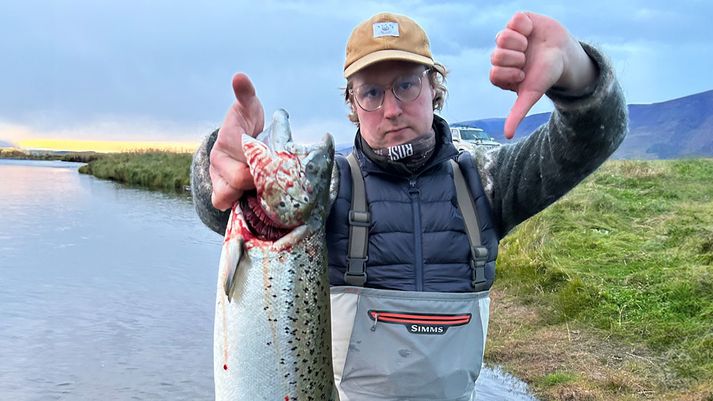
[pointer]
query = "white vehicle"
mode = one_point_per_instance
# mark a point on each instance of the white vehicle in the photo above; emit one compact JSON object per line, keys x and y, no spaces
{"x":468,"y":138}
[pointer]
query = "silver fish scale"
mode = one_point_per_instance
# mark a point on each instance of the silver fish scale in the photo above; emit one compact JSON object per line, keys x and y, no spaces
{"x":272,"y":336}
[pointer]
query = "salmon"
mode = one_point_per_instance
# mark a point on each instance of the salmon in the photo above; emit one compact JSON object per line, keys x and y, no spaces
{"x":272,"y":338}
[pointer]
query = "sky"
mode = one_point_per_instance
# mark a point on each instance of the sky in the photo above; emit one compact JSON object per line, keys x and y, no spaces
{"x":160,"y":70}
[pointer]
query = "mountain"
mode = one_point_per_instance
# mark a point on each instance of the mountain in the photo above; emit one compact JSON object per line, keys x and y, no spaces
{"x":6,"y":144}
{"x":672,"y":129}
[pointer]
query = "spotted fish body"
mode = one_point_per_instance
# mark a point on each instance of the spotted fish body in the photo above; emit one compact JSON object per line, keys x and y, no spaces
{"x":272,"y":337}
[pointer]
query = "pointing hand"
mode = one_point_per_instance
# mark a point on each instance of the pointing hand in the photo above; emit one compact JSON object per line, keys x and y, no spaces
{"x":229,"y":172}
{"x":532,"y":54}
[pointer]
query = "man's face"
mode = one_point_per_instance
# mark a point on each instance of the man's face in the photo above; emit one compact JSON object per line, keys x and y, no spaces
{"x":396,"y":121}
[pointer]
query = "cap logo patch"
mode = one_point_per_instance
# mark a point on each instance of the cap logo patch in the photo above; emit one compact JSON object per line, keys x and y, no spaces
{"x":385,"y":29}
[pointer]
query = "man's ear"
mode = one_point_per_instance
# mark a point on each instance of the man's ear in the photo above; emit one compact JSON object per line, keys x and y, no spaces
{"x":433,"y":90}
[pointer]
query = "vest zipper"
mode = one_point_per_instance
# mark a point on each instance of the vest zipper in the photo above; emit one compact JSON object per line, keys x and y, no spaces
{"x":415,"y":195}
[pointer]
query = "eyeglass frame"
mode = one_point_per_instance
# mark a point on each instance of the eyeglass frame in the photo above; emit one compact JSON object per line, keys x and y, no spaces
{"x":391,"y":87}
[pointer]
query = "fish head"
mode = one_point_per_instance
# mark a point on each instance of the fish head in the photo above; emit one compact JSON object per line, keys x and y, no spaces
{"x":291,"y":180}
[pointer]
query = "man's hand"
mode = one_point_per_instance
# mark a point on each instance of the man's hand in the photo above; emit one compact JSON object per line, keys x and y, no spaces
{"x":229,"y":171}
{"x":532,"y":54}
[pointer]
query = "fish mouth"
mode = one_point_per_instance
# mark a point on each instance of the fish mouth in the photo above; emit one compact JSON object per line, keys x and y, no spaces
{"x":258,"y":221}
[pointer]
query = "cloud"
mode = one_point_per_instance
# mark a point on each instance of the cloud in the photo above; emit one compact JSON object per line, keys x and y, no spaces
{"x":107,"y":128}
{"x":652,"y":72}
{"x":313,"y":130}
{"x":13,"y":132}
{"x":163,"y":67}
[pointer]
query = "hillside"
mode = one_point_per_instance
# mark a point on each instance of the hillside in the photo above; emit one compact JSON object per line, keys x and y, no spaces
{"x":672,"y":129}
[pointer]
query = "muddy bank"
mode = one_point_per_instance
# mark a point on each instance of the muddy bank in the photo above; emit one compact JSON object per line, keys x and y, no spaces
{"x":572,"y":363}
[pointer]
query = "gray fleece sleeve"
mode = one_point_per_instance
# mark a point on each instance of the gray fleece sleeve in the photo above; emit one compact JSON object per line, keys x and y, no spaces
{"x":522,"y":178}
{"x":202,"y":188}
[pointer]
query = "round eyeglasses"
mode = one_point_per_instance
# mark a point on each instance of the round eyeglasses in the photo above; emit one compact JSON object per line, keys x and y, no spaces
{"x":406,"y":88}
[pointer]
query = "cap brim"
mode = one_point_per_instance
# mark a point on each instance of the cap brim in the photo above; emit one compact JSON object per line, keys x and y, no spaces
{"x":383,"y":55}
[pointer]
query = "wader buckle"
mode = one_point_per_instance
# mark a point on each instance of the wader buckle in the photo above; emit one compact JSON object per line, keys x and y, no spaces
{"x":478,"y":259}
{"x":356,"y":271}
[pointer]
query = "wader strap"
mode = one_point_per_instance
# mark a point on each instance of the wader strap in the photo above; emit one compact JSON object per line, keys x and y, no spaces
{"x":478,"y":253}
{"x":359,"y":219}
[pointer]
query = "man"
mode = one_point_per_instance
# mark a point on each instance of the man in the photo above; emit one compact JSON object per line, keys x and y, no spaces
{"x":421,"y":271}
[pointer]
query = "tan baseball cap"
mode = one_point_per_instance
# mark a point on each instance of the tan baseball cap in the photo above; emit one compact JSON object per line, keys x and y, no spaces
{"x":387,"y":36}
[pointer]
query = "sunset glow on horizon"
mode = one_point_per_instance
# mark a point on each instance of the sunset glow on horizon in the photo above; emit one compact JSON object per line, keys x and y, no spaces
{"x":105,"y":146}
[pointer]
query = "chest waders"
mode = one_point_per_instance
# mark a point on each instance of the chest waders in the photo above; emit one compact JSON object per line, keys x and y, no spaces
{"x":407,"y":345}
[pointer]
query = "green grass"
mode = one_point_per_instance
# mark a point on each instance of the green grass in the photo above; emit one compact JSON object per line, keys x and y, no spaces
{"x":629,"y":251}
{"x":555,"y":378}
{"x":153,"y":169}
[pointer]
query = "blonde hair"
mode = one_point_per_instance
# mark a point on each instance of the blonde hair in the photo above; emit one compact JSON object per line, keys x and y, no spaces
{"x":436,"y":78}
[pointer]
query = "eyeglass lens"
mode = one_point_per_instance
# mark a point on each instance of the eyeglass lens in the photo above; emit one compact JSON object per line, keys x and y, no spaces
{"x":405,"y":88}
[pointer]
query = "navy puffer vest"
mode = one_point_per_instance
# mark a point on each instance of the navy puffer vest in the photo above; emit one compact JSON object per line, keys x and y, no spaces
{"x":417,"y":237}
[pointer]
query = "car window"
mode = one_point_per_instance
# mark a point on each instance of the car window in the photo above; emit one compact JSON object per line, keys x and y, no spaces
{"x":473,"y":135}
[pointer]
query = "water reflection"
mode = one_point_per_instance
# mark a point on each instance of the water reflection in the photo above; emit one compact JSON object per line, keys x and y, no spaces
{"x":107,"y":292}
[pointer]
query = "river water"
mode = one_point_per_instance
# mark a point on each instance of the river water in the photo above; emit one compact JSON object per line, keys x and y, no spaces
{"x":107,"y":292}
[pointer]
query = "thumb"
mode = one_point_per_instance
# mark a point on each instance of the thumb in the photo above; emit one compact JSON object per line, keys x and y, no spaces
{"x":249,"y":110}
{"x":524,"y":102}
{"x":243,"y":87}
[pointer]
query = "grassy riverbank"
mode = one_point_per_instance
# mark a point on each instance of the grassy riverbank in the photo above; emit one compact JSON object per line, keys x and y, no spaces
{"x":79,"y":157}
{"x":608,"y":294}
{"x":152,"y":169}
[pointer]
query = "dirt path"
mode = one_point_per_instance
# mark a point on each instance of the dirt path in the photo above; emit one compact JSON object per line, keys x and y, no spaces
{"x":561,"y":362}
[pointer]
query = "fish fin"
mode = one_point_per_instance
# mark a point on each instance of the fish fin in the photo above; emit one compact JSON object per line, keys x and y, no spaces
{"x":280,"y":133}
{"x":290,"y":239}
{"x":230,"y":282}
{"x":328,"y":143}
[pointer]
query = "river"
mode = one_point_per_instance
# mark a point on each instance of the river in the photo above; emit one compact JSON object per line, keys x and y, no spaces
{"x":107,"y":292}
